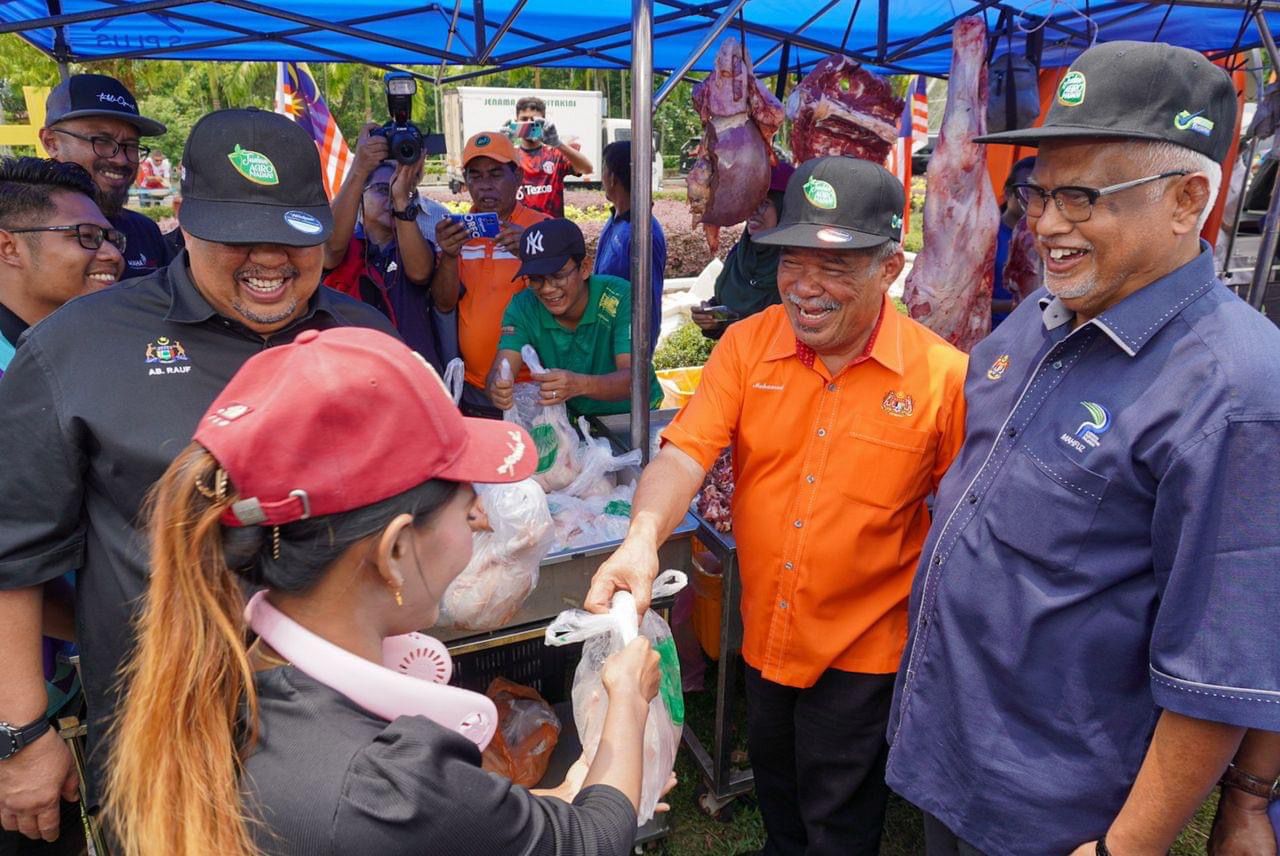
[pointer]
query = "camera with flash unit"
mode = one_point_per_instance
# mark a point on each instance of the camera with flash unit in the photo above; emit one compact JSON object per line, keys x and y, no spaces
{"x":404,"y":139}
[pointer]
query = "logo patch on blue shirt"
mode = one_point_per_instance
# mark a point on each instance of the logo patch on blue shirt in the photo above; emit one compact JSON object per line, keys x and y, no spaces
{"x":1089,"y":434}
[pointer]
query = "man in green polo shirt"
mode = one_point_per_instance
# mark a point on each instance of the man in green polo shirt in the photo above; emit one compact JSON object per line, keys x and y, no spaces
{"x":579,"y":324}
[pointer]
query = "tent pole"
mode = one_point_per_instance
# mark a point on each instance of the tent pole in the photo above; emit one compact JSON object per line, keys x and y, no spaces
{"x":1271,"y":226}
{"x":1260,"y":85}
{"x":642,"y":101}
{"x":711,"y":35}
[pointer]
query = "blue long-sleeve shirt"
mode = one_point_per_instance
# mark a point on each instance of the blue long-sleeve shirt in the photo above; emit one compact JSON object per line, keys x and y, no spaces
{"x":613,"y":257}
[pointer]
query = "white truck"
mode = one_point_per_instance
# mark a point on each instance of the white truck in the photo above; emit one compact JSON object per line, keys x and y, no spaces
{"x":579,"y":117}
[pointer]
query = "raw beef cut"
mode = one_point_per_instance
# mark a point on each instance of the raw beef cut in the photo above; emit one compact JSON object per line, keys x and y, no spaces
{"x":949,"y":288}
{"x":739,"y":118}
{"x":715,"y":500}
{"x":840,"y":108}
{"x":1022,"y":268}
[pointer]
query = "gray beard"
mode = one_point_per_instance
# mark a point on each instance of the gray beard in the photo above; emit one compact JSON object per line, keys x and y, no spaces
{"x":259,"y":318}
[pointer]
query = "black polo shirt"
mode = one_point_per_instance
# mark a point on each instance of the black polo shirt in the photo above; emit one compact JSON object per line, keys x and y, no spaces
{"x":145,"y":249}
{"x":100,"y":398}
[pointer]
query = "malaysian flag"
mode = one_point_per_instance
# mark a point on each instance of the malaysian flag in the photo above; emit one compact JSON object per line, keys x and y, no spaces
{"x":919,"y":115}
{"x":906,"y":145}
{"x":298,"y":97}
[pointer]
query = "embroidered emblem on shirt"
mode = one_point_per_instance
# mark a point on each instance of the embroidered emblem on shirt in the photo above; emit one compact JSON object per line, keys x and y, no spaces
{"x":998,"y":368}
{"x":1091,"y":430}
{"x":548,"y":167}
{"x":516,"y":448}
{"x":898,"y":403}
{"x":609,"y":305}
{"x":167,"y":353}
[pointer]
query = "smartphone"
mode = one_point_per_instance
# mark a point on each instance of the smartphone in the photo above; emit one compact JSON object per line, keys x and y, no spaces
{"x":527,"y":130}
{"x":483,"y":225}
{"x":722,"y":313}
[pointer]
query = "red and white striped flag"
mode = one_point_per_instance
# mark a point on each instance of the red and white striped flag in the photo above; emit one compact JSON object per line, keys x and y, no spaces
{"x":298,"y":97}
{"x":910,"y":138}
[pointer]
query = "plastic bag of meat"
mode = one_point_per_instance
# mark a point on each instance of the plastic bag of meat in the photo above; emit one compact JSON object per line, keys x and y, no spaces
{"x":949,"y":287}
{"x":593,"y":520}
{"x":528,"y":731}
{"x":552,"y":433}
{"x":739,"y":118}
{"x":601,"y":636}
{"x":598,"y":464}
{"x":840,"y":108}
{"x":503,"y":570}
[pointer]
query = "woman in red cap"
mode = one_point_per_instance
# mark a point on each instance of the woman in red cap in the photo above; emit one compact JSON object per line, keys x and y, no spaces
{"x":749,"y":281}
{"x":334,"y":474}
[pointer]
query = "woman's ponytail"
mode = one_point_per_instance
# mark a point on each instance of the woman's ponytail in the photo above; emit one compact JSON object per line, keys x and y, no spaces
{"x":190,"y":708}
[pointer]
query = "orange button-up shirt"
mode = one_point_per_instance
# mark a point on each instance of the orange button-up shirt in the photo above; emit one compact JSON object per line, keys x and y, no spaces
{"x":831,"y":476}
{"x":485,"y":270}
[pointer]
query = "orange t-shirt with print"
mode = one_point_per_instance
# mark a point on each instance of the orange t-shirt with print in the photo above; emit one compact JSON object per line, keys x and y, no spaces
{"x":831,"y":475}
{"x":485,"y":270}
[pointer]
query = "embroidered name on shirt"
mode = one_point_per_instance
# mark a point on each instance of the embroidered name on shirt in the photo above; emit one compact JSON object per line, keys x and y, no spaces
{"x":768,"y":387}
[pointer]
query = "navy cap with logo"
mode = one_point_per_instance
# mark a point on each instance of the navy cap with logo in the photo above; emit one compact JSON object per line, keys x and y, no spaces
{"x":838,"y":203}
{"x":548,"y":246}
{"x":1140,"y":90}
{"x":82,"y":96}
{"x":252,"y":177}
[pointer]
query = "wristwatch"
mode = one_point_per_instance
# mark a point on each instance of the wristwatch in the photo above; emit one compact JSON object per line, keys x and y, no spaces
{"x":409,"y":213}
{"x":1236,"y":778}
{"x":13,"y":739}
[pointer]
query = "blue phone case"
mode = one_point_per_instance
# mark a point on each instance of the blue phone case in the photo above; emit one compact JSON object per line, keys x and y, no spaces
{"x":483,"y":225}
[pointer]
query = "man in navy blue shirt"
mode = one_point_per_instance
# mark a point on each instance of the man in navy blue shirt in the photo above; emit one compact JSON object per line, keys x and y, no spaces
{"x":1093,"y":622}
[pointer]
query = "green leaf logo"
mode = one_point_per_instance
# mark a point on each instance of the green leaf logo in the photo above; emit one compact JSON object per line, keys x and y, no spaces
{"x":1071,"y":90}
{"x":820,"y":194}
{"x":254,"y":166}
{"x":896,"y":222}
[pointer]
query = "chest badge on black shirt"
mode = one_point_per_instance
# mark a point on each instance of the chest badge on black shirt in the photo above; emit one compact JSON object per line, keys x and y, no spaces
{"x":998,"y":368}
{"x":166,"y":354}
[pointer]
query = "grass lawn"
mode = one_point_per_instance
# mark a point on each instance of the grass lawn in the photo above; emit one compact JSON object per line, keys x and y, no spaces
{"x":696,"y":834}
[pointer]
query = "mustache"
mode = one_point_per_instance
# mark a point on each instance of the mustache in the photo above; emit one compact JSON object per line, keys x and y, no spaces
{"x":258,"y":272}
{"x":822,"y":304}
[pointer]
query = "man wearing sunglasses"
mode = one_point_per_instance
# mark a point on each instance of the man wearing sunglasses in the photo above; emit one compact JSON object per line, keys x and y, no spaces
{"x":93,"y":120}
{"x":1093,"y":620}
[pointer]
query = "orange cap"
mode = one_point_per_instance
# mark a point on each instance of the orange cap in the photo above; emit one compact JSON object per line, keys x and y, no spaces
{"x":489,"y":144}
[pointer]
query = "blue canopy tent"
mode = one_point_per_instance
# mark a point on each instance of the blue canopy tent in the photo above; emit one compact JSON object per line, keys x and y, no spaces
{"x":902,"y":36}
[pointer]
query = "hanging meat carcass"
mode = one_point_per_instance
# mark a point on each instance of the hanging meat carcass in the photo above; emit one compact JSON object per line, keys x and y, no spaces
{"x":840,"y":108}
{"x":949,"y":288}
{"x":1021,"y":274}
{"x":739,"y":118}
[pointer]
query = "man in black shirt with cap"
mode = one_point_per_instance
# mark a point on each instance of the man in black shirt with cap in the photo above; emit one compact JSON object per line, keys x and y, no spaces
{"x":93,"y":120}
{"x":88,"y":424}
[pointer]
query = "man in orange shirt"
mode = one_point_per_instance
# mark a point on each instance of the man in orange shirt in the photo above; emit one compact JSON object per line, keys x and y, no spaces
{"x":477,"y":275}
{"x":843,"y":416}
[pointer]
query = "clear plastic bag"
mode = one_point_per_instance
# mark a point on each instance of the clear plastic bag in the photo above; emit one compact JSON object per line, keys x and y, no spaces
{"x":601,"y":636}
{"x":598,"y":464}
{"x":503,"y":570}
{"x":583,"y":522}
{"x":552,"y":433}
{"x":528,"y":731}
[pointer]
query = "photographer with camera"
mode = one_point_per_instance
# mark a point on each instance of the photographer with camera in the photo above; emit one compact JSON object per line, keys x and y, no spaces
{"x":377,"y":251}
{"x":544,"y":159}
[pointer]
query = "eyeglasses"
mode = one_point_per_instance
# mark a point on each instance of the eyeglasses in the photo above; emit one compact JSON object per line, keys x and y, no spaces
{"x":381,"y":188}
{"x":1076,"y":203}
{"x":537,"y":283}
{"x":91,"y":235}
{"x":106,"y":147}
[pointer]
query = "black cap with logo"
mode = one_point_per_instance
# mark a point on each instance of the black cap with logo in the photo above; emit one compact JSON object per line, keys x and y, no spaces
{"x":547,"y":246}
{"x":252,"y":177}
{"x":838,"y":203}
{"x":1140,"y":90}
{"x":82,"y":96}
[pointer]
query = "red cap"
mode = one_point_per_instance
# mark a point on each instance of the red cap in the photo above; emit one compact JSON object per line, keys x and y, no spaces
{"x":779,"y":175}
{"x":342,"y":419}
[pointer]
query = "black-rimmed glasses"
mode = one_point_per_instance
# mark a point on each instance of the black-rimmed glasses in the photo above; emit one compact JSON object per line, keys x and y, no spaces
{"x":106,"y":147}
{"x":90,"y":235}
{"x":1076,"y":203}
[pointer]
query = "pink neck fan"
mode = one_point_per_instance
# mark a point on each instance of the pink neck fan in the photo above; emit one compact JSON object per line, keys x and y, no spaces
{"x":412,"y":680}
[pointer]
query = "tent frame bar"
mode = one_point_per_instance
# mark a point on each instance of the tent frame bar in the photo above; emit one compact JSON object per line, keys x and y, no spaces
{"x":713,"y":33}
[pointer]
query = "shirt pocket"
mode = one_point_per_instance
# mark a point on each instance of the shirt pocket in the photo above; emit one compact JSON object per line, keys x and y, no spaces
{"x":1044,"y":505}
{"x":883,"y":465}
